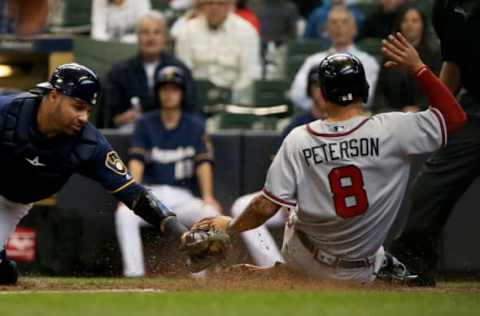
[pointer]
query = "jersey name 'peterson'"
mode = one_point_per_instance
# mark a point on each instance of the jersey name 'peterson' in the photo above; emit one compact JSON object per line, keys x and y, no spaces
{"x":341,"y":150}
{"x":346,"y":179}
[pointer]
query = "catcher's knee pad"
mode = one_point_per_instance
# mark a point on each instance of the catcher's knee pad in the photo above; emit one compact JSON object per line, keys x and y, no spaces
{"x":8,"y":270}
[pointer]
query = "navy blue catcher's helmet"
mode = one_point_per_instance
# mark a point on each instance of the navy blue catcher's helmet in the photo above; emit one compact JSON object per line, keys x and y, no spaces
{"x":76,"y":81}
{"x":342,"y":79}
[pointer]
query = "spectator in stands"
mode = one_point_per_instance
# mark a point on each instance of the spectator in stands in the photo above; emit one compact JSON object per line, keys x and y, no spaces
{"x":190,"y":14}
{"x":23,"y":17}
{"x":243,"y":10}
{"x":117,"y":19}
{"x":342,"y":29}
{"x":396,"y":90}
{"x":130,"y":83}
{"x":7,"y":19}
{"x":181,"y":4}
{"x":316,"y":27}
{"x":381,"y":22}
{"x":221,"y":47}
{"x":278,"y":21}
{"x":306,"y":7}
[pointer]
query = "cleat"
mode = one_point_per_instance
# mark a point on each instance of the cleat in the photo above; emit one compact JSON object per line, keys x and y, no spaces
{"x":395,"y":272}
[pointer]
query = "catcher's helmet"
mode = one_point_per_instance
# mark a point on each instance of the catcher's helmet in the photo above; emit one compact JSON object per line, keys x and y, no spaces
{"x":76,"y":81}
{"x":170,"y":74}
{"x":312,"y":79}
{"x":342,"y":79}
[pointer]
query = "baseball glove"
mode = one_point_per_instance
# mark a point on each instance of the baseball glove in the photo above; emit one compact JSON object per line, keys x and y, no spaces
{"x":204,"y":246}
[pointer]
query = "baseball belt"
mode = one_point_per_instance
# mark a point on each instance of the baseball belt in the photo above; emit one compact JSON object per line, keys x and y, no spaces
{"x":330,"y":260}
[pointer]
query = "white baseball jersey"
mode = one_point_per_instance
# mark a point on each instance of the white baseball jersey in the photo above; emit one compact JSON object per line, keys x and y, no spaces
{"x":347,"y":179}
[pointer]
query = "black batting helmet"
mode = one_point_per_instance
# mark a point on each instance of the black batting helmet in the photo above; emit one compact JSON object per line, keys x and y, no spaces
{"x":342,"y":79}
{"x":170,"y":74}
{"x":76,"y":81}
{"x":312,"y":79}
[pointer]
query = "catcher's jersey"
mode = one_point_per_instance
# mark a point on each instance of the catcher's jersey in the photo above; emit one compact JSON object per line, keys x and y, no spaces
{"x":35,"y":168}
{"x":347,"y":179}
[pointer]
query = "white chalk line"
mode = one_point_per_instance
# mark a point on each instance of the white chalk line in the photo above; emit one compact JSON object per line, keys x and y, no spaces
{"x":67,"y":291}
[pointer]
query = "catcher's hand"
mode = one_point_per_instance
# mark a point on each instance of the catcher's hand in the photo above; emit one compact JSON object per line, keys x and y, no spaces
{"x":205,"y":246}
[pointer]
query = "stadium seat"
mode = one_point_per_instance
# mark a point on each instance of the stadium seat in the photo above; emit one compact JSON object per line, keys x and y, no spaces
{"x":271,"y":92}
{"x":98,"y":55}
{"x":373,"y":46}
{"x":101,"y":55}
{"x":160,"y":5}
{"x":236,"y":121}
{"x":209,"y":94}
{"x":297,"y":52}
{"x":74,"y":17}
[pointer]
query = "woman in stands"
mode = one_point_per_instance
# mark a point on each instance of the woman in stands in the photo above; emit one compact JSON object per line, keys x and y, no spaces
{"x":395,"y":90}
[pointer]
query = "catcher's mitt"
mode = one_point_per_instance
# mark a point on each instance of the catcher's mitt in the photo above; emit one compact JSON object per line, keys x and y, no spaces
{"x":205,"y":246}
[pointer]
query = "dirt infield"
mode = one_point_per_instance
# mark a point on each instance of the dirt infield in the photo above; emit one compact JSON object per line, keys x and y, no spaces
{"x":230,"y":280}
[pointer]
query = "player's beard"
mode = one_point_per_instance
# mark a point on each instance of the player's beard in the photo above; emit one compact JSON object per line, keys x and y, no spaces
{"x":62,"y":122}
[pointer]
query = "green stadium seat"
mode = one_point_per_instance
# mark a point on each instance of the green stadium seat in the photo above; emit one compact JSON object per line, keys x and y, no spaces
{"x":73,"y":17}
{"x":209,"y":94}
{"x":373,"y":46}
{"x":100,"y":56}
{"x":297,"y":52}
{"x":236,"y":121}
{"x":160,"y":5}
{"x":269,"y":93}
{"x":265,"y":93}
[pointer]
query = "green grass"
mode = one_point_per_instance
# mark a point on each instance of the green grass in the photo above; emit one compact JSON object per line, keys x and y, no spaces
{"x":462,"y":300}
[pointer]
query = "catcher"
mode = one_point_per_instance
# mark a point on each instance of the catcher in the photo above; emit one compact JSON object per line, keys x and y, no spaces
{"x":344,"y":176}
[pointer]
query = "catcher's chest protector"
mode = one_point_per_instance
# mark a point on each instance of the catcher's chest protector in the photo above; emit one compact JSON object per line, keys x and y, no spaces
{"x":34,"y":167}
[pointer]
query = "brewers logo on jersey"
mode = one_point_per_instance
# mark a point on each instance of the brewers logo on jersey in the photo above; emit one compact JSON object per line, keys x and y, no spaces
{"x":115,"y":163}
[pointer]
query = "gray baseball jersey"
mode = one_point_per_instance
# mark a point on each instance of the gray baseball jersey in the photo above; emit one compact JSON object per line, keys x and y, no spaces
{"x":347,"y":179}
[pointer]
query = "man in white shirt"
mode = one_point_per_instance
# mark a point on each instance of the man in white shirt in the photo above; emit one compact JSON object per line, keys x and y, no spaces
{"x":117,"y":20}
{"x":220,"y":47}
{"x":342,"y":30}
{"x":180,"y":23}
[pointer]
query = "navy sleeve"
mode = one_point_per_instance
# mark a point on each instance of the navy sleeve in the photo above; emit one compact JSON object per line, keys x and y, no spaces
{"x":141,"y":142}
{"x":106,"y":167}
{"x":5,"y":100}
